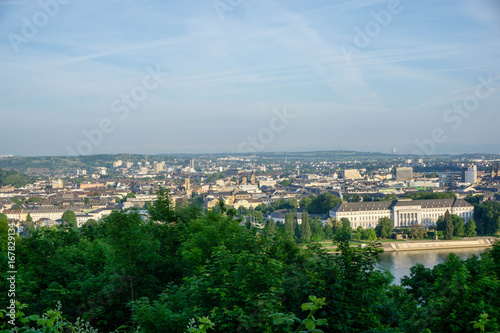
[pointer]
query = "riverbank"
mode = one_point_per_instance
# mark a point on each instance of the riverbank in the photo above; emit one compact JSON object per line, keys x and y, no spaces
{"x":437,"y":244}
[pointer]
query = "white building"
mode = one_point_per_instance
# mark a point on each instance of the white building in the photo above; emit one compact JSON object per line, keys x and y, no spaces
{"x":403,"y":212}
{"x":471,"y":175}
{"x":351,"y":174}
{"x":140,"y":200}
{"x":267,"y":182}
{"x":158,"y":167}
{"x":81,"y":218}
{"x":404,"y":173}
{"x":57,"y":183}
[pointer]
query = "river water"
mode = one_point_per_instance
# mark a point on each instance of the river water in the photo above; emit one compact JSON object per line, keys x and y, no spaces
{"x":399,"y":263}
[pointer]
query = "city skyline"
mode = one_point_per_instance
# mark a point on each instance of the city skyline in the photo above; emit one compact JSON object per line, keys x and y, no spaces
{"x":148,"y":77}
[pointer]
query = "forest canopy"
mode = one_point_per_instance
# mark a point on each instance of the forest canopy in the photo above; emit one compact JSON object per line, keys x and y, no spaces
{"x":185,"y":270}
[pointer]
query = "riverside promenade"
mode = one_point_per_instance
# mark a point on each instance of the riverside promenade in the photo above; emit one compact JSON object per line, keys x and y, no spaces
{"x":411,"y":245}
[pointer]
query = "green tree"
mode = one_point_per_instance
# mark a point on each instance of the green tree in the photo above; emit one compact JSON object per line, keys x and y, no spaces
{"x":343,"y":230}
{"x":390,"y":197}
{"x":286,"y":182}
{"x":4,"y":228}
{"x":370,"y":234}
{"x":473,"y":199}
{"x":271,"y":224}
{"x":367,"y":197}
{"x":317,"y":230}
{"x":296,"y":225}
{"x":458,"y":225}
{"x":346,"y":224}
{"x":305,"y":228}
{"x":494,"y":226}
{"x":305,"y":201}
{"x":487,"y":217}
{"x":283,"y":204}
{"x":384,"y":227}
{"x":262,"y":208}
{"x":451,"y":295}
{"x":289,"y":225}
{"x":29,"y":218}
{"x":441,"y":224}
{"x":133,"y":250}
{"x":33,"y":200}
{"x":470,"y":229}
{"x":69,"y":218}
{"x":11,"y":177}
{"x":323,"y":203}
{"x":428,"y":195}
{"x":162,"y":209}
{"x":86,"y":201}
{"x":417,"y":231}
{"x":329,"y":229}
{"x":448,"y":231}
{"x":356,"y":198}
{"x":360,"y":234}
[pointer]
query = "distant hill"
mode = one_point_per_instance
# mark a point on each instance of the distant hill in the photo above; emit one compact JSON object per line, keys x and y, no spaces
{"x":11,"y":177}
{"x":48,"y":165}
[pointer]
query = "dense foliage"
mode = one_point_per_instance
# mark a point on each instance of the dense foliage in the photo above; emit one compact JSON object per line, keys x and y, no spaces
{"x":430,"y":195}
{"x":188,"y":268}
{"x":11,"y":177}
{"x":487,"y":217}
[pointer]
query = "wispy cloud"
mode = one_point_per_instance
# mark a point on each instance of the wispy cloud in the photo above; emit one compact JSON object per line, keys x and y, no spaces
{"x":265,"y":54}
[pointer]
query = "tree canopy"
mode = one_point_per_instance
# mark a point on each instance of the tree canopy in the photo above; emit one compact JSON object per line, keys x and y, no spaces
{"x":384,"y":227}
{"x":323,"y":203}
{"x":11,"y":177}
{"x":183,"y":268}
{"x":69,"y":218}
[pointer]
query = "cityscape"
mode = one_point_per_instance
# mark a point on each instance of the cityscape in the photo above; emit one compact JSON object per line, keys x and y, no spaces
{"x":248,"y":183}
{"x":259,"y":166}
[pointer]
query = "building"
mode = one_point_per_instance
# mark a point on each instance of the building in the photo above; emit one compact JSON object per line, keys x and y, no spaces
{"x":157,"y":167}
{"x":447,"y":179}
{"x":279,"y":216}
{"x":403,"y":212}
{"x":404,"y":173}
{"x":86,"y":186}
{"x":82,"y":218}
{"x":267,"y":182}
{"x":351,"y":174}
{"x":80,"y":172}
{"x":57,"y":183}
{"x":469,"y":174}
{"x":140,"y":200}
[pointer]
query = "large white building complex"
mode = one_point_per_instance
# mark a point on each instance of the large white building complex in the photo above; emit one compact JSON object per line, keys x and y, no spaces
{"x":403,"y":212}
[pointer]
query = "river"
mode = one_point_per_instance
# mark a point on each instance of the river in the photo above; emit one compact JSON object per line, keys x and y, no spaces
{"x":399,"y":263}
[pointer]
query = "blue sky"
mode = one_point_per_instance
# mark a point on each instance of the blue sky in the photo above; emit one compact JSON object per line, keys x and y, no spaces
{"x":227,"y":66}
